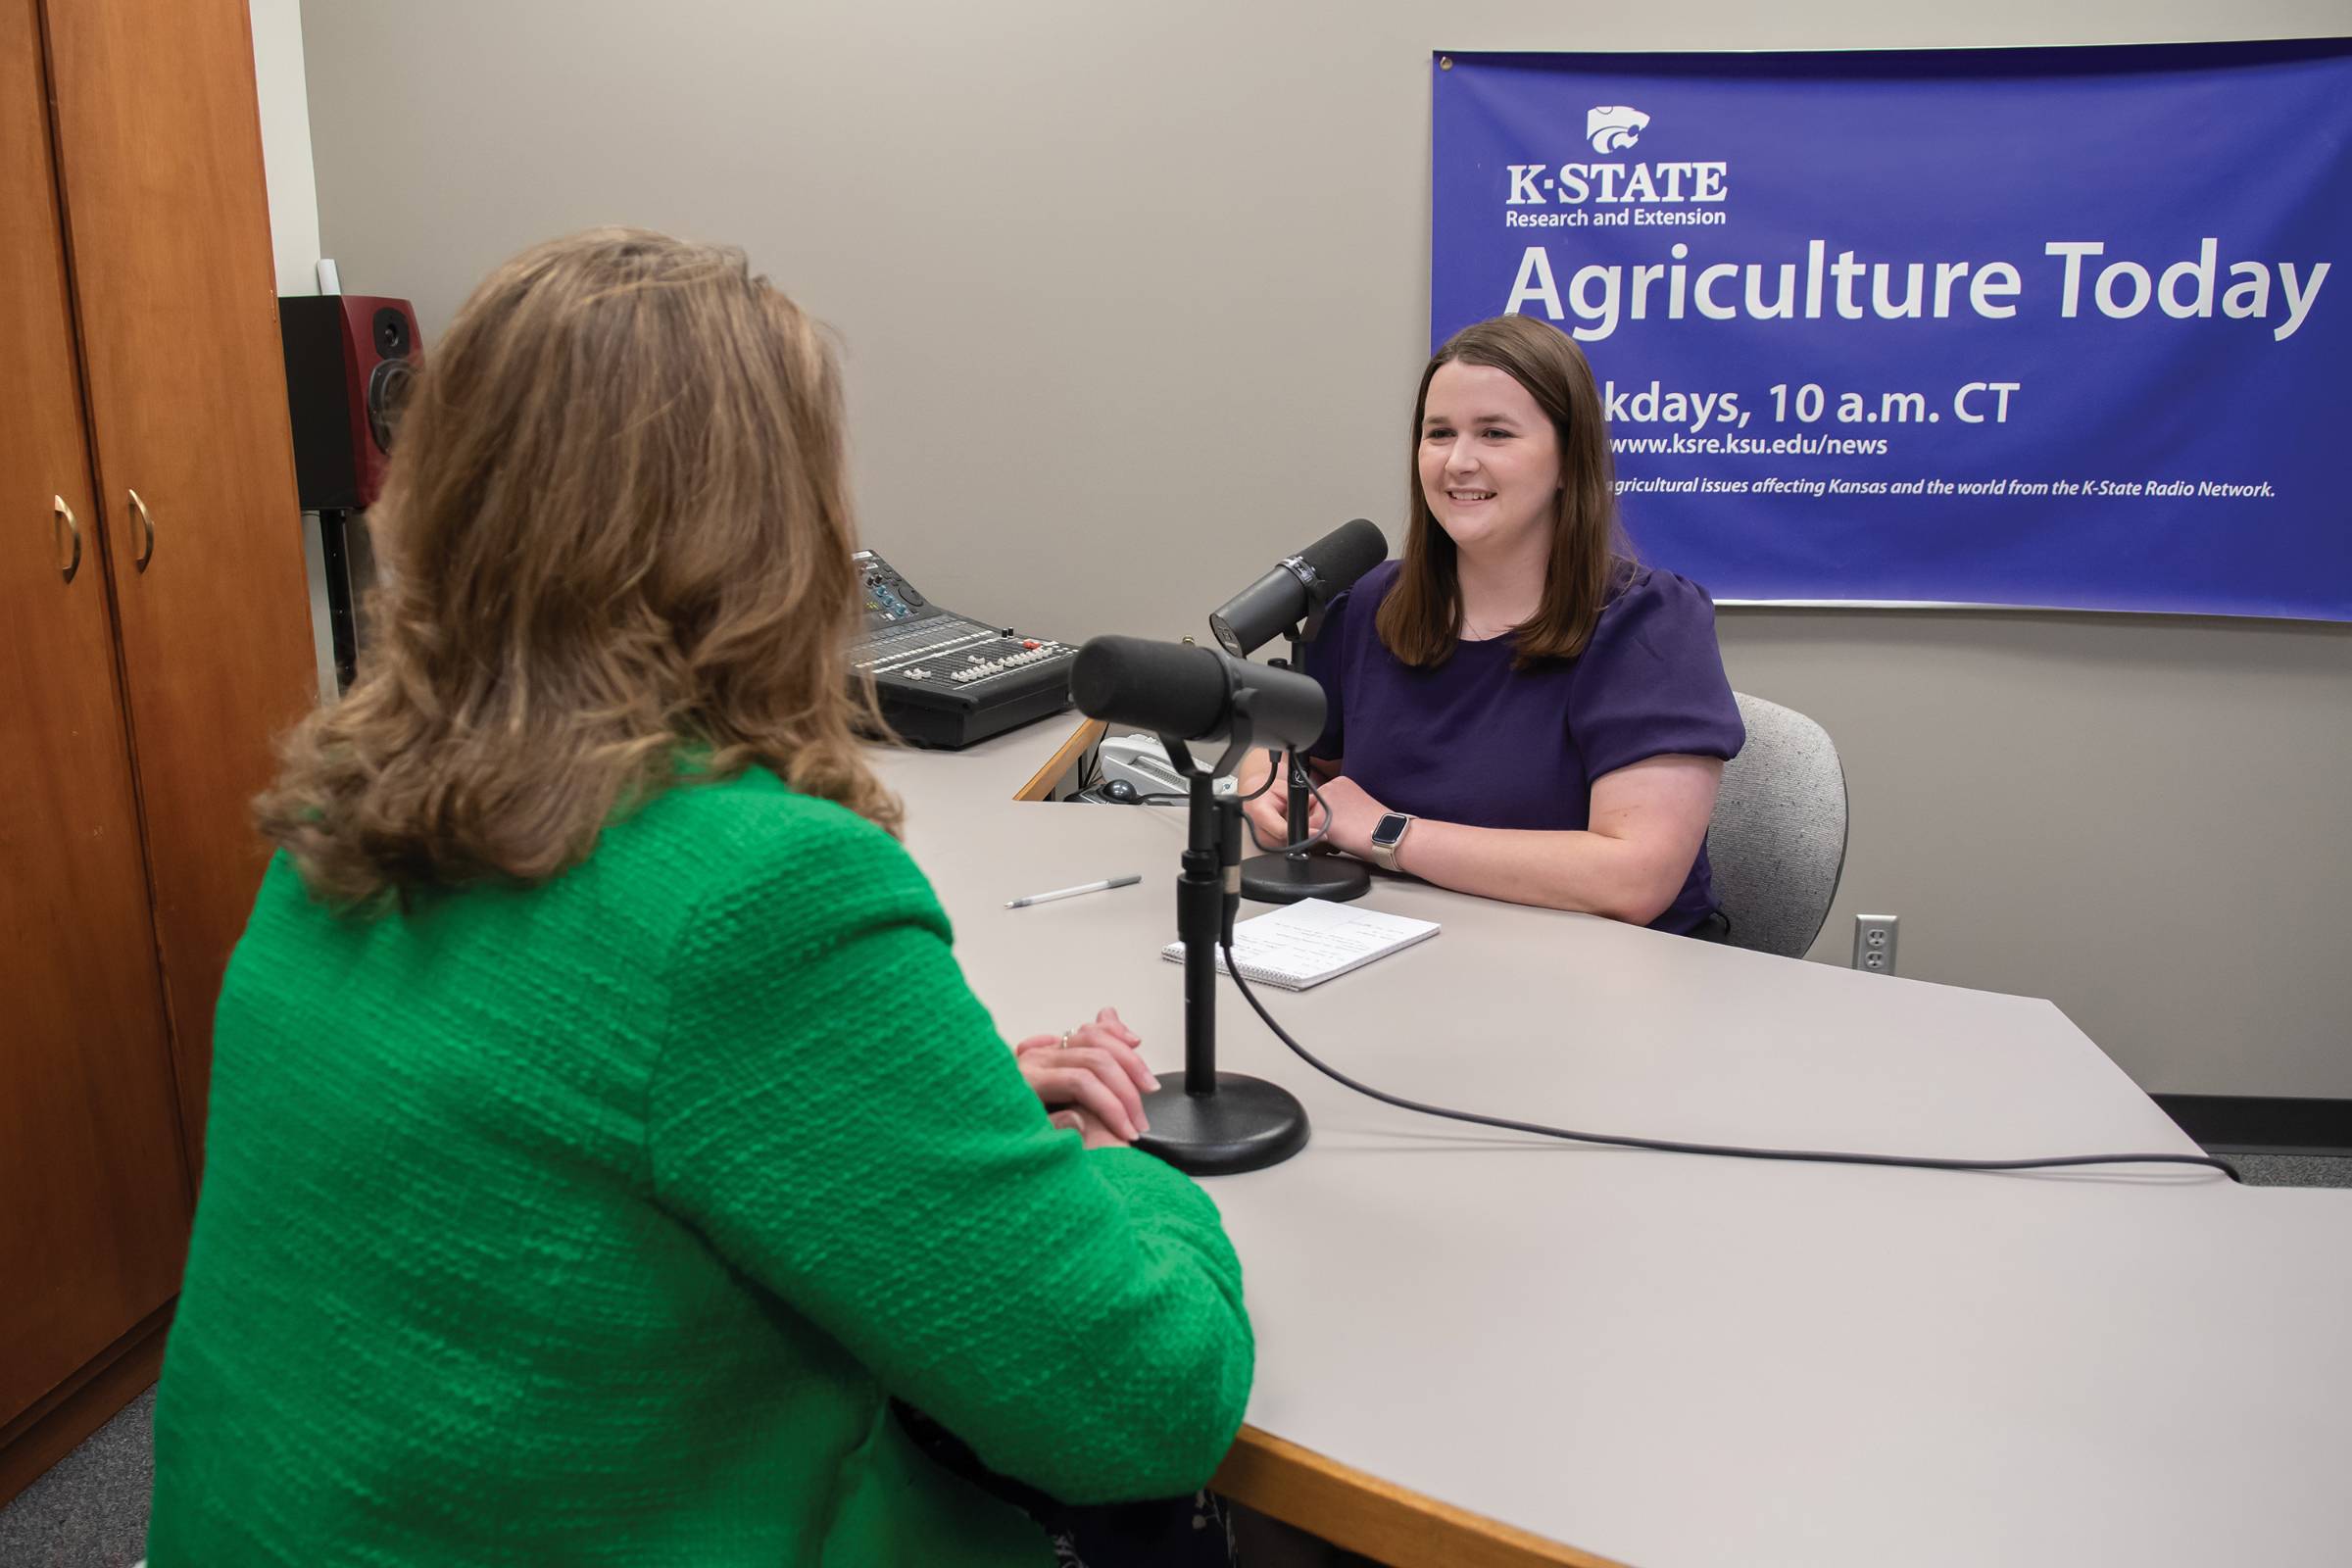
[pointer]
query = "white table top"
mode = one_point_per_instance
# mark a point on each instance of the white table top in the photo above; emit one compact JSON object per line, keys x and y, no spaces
{"x":1674,"y":1360}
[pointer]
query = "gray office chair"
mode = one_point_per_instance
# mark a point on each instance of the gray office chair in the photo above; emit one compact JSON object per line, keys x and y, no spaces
{"x":1778,"y":838}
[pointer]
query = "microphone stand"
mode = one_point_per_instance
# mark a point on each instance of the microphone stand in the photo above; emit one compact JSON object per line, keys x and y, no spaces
{"x":1219,"y":1123}
{"x":1285,"y":876}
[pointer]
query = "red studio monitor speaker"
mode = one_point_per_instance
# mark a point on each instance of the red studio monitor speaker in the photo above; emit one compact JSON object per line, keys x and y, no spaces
{"x":349,"y":362}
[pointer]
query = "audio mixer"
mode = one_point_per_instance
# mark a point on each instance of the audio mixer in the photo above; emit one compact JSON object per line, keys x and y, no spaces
{"x":946,"y":681}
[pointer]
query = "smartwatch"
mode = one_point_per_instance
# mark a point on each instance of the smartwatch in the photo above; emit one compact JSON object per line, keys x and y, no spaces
{"x":1386,"y":834}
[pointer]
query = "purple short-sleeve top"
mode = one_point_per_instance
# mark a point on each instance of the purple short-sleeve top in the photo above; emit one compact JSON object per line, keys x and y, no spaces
{"x":1477,"y":742}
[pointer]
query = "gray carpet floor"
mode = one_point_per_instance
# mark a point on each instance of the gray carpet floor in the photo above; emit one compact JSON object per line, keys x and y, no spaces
{"x":91,"y":1510}
{"x":2292,"y":1170}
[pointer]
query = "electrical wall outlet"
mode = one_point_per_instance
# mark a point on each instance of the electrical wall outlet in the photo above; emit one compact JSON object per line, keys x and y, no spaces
{"x":1873,"y":942}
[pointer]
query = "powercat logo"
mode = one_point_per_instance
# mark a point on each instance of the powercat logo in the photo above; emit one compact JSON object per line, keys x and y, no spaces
{"x":1616,"y":128}
{"x":1613,"y":127}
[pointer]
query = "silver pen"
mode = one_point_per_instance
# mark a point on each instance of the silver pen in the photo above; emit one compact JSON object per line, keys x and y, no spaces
{"x":1102,"y":886}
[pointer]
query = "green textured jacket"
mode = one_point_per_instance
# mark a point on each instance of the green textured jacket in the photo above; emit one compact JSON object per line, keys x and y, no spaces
{"x":598,"y":1222}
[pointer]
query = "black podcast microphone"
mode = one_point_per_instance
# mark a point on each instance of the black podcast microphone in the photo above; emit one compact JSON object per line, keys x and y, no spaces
{"x":1193,"y":693}
{"x":1217,"y":1122}
{"x":1296,"y":587}
{"x":1291,"y":597}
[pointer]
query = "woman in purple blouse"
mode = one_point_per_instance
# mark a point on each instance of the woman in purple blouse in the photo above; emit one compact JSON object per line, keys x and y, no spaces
{"x":1547,"y":716}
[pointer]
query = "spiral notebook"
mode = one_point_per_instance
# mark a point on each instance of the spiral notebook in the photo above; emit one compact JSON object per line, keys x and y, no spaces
{"x":1305,"y":944}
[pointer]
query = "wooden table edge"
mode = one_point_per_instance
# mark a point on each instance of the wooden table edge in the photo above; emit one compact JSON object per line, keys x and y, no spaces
{"x":1361,"y":1512}
{"x":1042,"y":782}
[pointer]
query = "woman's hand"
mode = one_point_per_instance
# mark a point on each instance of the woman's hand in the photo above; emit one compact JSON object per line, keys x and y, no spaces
{"x":1354,"y":815}
{"x":1092,"y":1078}
{"x":1272,"y":814}
{"x":1092,"y":1134}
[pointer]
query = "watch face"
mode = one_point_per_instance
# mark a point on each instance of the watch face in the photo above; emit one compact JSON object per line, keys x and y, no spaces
{"x":1389,"y":828}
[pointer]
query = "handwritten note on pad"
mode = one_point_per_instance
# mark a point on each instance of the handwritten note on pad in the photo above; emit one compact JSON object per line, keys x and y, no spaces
{"x":1306,"y":943}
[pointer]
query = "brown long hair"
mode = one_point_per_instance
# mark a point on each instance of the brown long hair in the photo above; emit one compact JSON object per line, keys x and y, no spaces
{"x":1421,"y":618}
{"x":616,"y":532}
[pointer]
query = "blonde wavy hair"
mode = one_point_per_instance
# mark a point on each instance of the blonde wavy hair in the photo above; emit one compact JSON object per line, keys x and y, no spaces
{"x":616,"y":534}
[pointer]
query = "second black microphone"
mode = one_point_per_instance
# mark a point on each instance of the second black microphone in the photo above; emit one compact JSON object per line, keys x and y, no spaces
{"x":1306,"y":581}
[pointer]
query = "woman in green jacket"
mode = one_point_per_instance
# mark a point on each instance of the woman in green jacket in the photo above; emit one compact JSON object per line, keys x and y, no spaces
{"x":603,"y":1137}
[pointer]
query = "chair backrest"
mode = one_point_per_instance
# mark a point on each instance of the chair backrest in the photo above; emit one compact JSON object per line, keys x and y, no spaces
{"x":1777,"y":841}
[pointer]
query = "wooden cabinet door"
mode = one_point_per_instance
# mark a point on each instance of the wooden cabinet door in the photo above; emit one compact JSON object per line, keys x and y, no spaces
{"x":167,"y":221}
{"x":93,"y":1189}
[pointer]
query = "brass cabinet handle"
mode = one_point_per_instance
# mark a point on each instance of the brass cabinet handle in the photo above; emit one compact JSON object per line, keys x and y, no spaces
{"x":65,"y":529}
{"x":143,"y":546}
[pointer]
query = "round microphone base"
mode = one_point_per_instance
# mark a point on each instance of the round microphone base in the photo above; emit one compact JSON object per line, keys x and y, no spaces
{"x":1287,"y":878}
{"x":1248,"y":1124}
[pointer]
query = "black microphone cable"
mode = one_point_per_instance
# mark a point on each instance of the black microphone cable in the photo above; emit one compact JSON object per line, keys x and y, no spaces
{"x":1730,"y":1150}
{"x":1170,"y":798}
{"x":1314,"y":793}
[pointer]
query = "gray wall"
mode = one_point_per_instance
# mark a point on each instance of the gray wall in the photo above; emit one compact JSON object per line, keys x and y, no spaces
{"x":1134,"y":298}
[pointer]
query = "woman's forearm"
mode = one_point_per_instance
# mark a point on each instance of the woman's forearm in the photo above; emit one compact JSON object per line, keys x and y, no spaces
{"x":1648,"y":822}
{"x":1624,"y":879}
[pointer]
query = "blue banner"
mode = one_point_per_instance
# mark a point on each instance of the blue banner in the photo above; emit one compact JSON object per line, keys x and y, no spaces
{"x":2061,"y":327}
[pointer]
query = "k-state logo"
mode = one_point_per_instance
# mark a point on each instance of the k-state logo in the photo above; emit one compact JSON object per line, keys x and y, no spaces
{"x":1613,"y":127}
